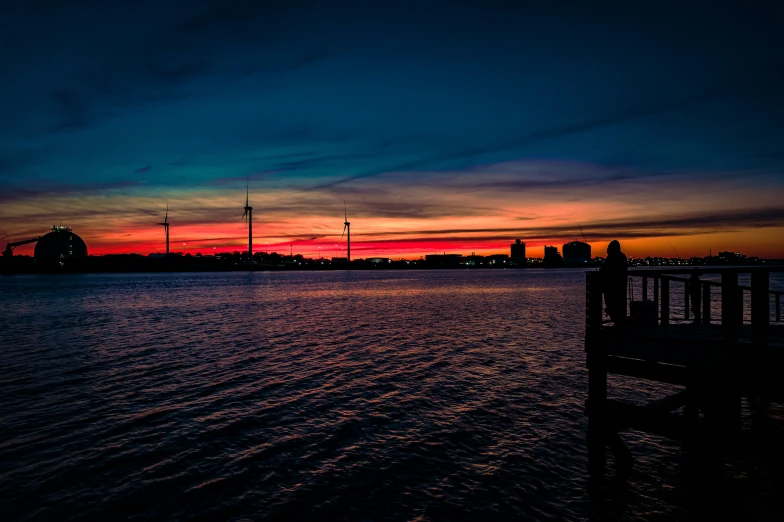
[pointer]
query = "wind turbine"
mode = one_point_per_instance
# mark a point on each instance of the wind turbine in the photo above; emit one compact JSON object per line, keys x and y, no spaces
{"x":248,"y":215}
{"x":347,"y":228}
{"x":165,"y":225}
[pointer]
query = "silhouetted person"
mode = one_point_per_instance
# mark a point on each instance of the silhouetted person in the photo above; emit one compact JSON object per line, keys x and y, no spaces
{"x":695,"y":295}
{"x":614,"y":282}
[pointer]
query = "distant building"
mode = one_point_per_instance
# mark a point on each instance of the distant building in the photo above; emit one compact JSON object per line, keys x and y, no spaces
{"x":577,"y":253}
{"x":339,"y":260}
{"x":732,"y":257}
{"x":473,"y":260}
{"x":378,"y":260}
{"x":552,"y":257}
{"x":518,"y":252}
{"x":443,"y":260}
{"x":498,"y":260}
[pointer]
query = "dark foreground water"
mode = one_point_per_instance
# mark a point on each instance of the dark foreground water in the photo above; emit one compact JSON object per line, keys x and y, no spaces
{"x":436,"y":395}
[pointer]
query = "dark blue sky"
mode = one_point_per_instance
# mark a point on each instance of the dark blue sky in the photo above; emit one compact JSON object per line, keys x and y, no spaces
{"x":150,"y":98}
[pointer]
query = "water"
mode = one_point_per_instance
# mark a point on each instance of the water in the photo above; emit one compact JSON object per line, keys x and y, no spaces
{"x":431,"y":395}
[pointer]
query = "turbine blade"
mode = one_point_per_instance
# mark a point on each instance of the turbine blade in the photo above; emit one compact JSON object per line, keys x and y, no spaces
{"x":345,"y":212}
{"x":166,"y":219}
{"x":344,"y":231}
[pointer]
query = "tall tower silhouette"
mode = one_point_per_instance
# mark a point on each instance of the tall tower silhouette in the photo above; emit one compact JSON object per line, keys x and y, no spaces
{"x":347,"y":231}
{"x":248,"y":215}
{"x":165,"y":225}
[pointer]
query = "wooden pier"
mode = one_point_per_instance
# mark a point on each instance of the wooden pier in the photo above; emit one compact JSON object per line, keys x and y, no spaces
{"x":717,"y":363}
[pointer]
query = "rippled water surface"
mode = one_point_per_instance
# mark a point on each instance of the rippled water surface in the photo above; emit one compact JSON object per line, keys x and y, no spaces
{"x":435,"y":395}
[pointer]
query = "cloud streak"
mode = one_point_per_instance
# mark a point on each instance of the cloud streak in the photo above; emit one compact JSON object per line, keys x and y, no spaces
{"x":685,"y":224}
{"x":553,"y":133}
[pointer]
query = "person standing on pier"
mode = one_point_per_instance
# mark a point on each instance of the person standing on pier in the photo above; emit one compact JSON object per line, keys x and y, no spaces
{"x":694,"y":294}
{"x":614,"y":282}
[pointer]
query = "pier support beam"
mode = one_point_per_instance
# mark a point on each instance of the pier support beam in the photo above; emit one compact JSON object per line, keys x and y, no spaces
{"x":731,"y":306}
{"x":597,"y":375}
{"x":656,"y":292}
{"x":665,"y":301}
{"x":759,"y":368}
{"x":706,"y":308}
{"x":597,"y":426}
{"x":760,"y":307}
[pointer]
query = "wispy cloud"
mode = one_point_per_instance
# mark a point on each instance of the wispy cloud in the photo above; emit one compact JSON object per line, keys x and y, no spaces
{"x":15,"y":192}
{"x":651,"y":226}
{"x":553,"y":133}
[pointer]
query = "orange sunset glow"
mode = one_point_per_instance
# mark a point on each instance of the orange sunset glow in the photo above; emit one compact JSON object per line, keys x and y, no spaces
{"x":412,"y":214}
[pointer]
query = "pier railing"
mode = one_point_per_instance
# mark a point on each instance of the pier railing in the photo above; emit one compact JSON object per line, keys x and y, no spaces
{"x":726,"y":358}
{"x":723,"y":301}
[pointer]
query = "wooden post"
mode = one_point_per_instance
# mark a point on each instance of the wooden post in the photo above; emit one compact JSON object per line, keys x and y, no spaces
{"x":597,"y":375}
{"x":706,"y":302}
{"x":597,"y":400}
{"x":644,"y":288}
{"x":724,"y":401}
{"x":760,"y":329}
{"x":665,"y":301}
{"x":593,"y":308}
{"x":729,"y":305}
{"x":760,"y":307}
{"x":656,"y":294}
{"x":693,"y":390}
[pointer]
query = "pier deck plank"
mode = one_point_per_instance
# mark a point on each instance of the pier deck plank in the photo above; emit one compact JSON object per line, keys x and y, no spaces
{"x":686,"y":345}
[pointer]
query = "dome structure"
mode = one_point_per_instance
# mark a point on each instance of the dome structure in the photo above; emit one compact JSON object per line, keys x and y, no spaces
{"x":58,"y":246}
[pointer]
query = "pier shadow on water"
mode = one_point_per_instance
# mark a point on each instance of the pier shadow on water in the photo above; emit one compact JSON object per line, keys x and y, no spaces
{"x":711,"y":480}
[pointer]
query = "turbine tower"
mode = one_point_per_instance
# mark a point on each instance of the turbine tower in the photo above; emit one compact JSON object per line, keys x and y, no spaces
{"x":165,"y":225}
{"x":248,"y":215}
{"x":347,"y":231}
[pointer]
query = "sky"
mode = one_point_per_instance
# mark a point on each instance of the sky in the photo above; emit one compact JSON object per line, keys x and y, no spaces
{"x":445,"y":127}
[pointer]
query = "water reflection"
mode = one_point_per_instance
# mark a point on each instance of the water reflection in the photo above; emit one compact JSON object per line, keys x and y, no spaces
{"x":432,"y":395}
